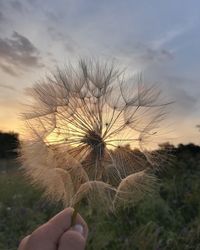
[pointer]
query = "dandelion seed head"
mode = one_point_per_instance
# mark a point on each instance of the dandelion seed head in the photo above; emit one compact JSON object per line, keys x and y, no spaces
{"x":84,"y":124}
{"x":134,"y":187}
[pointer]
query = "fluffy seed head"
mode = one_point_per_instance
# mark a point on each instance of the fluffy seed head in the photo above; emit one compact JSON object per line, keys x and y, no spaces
{"x":83,"y":127}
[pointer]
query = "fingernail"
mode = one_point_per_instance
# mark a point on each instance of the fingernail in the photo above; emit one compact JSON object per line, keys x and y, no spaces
{"x":78,"y":228}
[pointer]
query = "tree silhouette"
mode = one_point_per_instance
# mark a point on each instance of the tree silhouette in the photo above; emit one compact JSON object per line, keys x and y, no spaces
{"x":9,"y":143}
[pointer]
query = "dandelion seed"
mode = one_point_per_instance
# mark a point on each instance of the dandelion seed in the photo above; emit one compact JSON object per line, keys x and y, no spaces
{"x":84,"y":126}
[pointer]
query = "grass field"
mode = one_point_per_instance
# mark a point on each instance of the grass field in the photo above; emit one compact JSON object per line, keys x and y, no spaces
{"x":169,"y":219}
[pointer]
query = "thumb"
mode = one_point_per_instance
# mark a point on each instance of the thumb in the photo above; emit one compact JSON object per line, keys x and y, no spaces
{"x":73,"y":239}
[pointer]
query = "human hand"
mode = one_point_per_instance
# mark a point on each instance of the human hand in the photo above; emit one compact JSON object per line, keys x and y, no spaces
{"x":57,"y":234}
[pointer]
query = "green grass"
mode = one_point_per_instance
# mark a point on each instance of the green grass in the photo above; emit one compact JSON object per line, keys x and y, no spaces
{"x":21,"y":209}
{"x":169,"y":219}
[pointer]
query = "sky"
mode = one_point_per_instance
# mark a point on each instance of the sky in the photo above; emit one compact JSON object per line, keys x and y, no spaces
{"x":160,"y":39}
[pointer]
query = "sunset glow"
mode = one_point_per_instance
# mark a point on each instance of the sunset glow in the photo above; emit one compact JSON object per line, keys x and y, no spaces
{"x":162,"y":53}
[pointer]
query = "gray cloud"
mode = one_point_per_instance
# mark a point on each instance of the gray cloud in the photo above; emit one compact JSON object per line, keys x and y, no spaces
{"x":52,"y":17}
{"x":185,"y":103}
{"x":2,"y":18}
{"x":9,"y":70}
{"x":5,"y":14}
{"x":55,"y":34}
{"x":6,"y":86}
{"x":69,"y":44}
{"x":33,"y":3}
{"x":18,"y":52}
{"x":144,"y":54}
{"x":17,"y":6}
{"x":152,"y":55}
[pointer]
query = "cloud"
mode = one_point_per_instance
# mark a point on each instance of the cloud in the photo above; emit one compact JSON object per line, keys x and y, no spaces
{"x":68,"y":43}
{"x":9,"y":70}
{"x":2,"y":18}
{"x":156,"y":50}
{"x":141,"y":55}
{"x":186,"y":103}
{"x":6,"y":86}
{"x":17,"y":6}
{"x":55,"y":34}
{"x":168,"y":37}
{"x":149,"y":55}
{"x":52,"y":17}
{"x":33,"y":3}
{"x":171,"y":35}
{"x":19,"y":53}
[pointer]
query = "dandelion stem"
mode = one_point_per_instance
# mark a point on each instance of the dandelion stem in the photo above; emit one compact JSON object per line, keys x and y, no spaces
{"x":74,"y":215}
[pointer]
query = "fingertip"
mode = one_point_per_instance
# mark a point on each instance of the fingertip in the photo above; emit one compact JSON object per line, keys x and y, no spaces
{"x":62,"y":222}
{"x":23,"y":243}
{"x":78,"y":228}
{"x":72,"y":239}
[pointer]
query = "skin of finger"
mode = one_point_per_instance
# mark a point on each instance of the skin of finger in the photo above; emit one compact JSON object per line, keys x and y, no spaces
{"x":72,"y":240}
{"x":58,"y":222}
{"x":47,"y":236}
{"x":23,"y":243}
{"x":39,"y":239}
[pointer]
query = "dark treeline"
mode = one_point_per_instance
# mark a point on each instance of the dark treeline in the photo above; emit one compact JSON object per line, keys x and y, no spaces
{"x":9,"y":143}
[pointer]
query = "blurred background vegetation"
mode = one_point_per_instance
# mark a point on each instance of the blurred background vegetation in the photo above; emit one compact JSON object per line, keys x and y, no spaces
{"x":168,"y":219}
